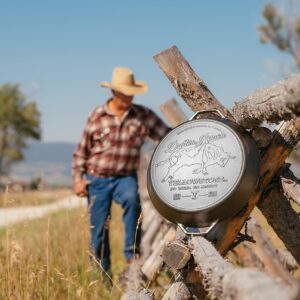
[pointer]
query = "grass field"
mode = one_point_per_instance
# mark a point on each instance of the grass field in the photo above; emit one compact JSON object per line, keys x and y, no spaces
{"x":48,"y":258}
{"x":13,"y":199}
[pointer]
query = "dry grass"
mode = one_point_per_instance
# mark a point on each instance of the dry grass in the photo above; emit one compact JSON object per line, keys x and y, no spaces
{"x":48,"y":258}
{"x":13,"y":199}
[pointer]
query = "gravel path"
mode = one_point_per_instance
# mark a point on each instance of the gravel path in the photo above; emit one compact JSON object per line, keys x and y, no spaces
{"x":13,"y":215}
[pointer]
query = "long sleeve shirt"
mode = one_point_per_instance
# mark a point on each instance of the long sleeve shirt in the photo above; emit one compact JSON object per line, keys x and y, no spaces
{"x":110,"y":146}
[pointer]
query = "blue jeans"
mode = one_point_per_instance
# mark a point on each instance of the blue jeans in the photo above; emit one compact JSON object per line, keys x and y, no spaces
{"x":124,"y":191}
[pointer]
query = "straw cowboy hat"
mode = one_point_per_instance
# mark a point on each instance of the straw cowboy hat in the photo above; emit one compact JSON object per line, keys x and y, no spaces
{"x":123,"y":82}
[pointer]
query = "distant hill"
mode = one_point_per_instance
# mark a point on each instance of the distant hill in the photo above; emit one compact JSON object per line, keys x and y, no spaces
{"x":52,"y":161}
{"x":49,"y":152}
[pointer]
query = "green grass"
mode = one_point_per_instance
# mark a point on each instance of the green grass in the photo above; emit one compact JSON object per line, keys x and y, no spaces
{"x":48,"y":258}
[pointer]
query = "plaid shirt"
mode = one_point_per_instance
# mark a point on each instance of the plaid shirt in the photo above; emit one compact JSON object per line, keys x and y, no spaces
{"x":110,"y":146}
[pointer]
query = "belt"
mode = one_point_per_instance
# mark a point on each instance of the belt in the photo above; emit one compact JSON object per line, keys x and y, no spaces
{"x":94,"y":173}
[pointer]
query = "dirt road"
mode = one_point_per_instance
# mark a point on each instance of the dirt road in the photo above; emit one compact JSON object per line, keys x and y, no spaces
{"x":16,"y":214}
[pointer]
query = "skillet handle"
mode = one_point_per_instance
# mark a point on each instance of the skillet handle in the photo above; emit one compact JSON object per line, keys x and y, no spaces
{"x":206,"y":110}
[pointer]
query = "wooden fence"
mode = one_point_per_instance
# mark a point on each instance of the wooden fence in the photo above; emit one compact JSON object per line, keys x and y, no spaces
{"x":198,"y":263}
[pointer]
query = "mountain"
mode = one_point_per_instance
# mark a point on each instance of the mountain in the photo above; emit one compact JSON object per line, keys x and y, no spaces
{"x":51,"y":160}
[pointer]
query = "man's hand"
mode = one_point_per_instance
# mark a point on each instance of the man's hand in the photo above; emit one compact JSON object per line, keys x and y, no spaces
{"x":79,"y":187}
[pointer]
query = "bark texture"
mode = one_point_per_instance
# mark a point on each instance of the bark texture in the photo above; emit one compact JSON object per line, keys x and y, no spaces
{"x":287,"y":259}
{"x":291,"y":190}
{"x":290,"y":184}
{"x":273,"y":104}
{"x":224,"y":281}
{"x":177,"y":291}
{"x":146,"y":294}
{"x":134,"y":279}
{"x":187,"y":83}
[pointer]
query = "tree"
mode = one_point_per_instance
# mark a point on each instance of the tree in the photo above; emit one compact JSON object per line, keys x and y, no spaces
{"x":19,"y":121}
{"x":282,"y":30}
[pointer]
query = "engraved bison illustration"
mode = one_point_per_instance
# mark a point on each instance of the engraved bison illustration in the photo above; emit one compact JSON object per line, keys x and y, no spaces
{"x":197,"y":155}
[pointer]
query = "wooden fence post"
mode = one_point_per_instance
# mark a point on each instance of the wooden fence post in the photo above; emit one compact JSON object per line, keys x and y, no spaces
{"x":173,"y":112}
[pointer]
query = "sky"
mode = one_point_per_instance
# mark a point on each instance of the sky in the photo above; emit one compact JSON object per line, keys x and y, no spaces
{"x":59,"y":51}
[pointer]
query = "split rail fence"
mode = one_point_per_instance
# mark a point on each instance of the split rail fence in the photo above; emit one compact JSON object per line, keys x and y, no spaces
{"x":197,"y":263}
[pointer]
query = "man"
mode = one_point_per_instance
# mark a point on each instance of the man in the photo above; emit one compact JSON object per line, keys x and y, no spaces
{"x":106,"y":160}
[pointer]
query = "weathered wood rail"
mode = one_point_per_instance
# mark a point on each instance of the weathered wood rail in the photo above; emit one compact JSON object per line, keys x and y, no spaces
{"x":225,"y":281}
{"x":274,"y":104}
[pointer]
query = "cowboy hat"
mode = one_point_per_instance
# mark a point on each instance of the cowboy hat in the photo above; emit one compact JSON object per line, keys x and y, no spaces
{"x":123,"y":82}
